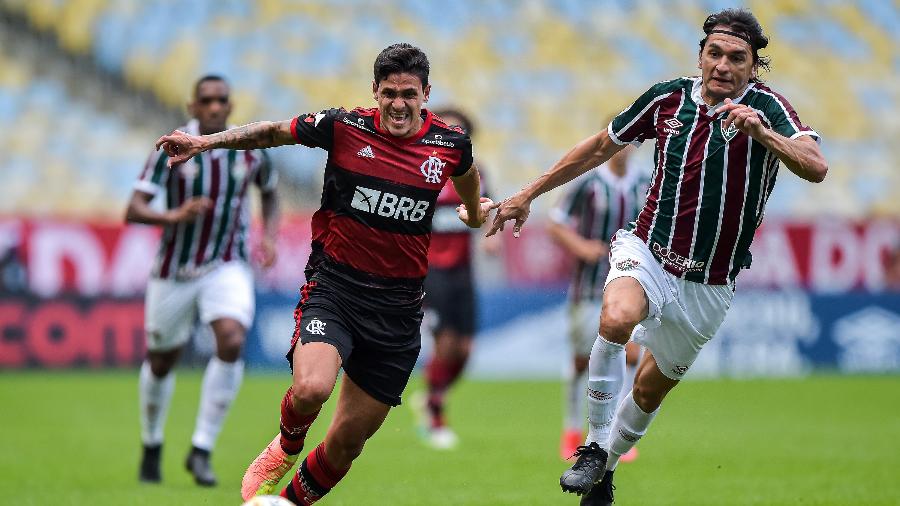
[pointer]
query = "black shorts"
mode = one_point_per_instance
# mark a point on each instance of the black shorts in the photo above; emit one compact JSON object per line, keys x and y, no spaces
{"x":451,"y":295}
{"x":378,"y":349}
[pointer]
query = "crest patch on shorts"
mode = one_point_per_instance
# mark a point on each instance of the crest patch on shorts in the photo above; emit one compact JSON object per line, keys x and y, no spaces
{"x":627,"y":264}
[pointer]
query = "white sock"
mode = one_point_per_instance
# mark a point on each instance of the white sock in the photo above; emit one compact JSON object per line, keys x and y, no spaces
{"x":629,"y":426}
{"x":154,"y":397}
{"x":221,"y":382}
{"x":606,"y":370}
{"x":576,"y":387}
{"x":627,"y":382}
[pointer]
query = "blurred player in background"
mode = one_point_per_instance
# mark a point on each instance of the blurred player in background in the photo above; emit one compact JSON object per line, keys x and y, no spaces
{"x":449,"y":299}
{"x":602,"y":202}
{"x":202,"y":269}
{"x":719,"y":139}
{"x":360,"y":309}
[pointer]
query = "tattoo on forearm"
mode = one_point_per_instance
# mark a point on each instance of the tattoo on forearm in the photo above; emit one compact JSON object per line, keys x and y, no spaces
{"x":261,"y":134}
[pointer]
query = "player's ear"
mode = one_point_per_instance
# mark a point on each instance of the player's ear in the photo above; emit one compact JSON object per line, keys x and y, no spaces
{"x":427,"y":92}
{"x":375,"y":90}
{"x":191,"y":108}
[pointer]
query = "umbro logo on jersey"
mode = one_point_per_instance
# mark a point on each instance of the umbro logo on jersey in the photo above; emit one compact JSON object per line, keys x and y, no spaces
{"x":366,"y":152}
{"x":672,"y":126}
{"x":388,"y":205}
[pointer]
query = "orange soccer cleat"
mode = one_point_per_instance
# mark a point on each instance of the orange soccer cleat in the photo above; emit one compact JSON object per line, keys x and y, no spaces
{"x":571,"y":439}
{"x":267,"y":470}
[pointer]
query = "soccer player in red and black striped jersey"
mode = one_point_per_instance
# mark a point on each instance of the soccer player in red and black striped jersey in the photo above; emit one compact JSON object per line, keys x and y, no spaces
{"x":201,"y":271}
{"x":719,"y":141}
{"x":360,"y":309}
{"x":449,"y":300}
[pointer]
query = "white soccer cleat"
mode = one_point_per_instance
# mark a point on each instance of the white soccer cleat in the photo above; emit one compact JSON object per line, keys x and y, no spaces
{"x":443,"y":438}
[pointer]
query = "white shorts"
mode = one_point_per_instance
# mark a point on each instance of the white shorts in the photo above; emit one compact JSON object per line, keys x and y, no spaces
{"x":171,"y":307}
{"x":584,"y":324}
{"x":683,"y":315}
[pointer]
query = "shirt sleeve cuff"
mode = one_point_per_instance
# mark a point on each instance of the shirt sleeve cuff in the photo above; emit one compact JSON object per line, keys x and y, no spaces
{"x":811,"y":133}
{"x":142,"y":185}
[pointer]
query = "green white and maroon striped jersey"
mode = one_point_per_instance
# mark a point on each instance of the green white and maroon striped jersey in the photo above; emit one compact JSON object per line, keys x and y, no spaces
{"x":709,"y":186}
{"x":599,"y":204}
{"x":220,"y":235}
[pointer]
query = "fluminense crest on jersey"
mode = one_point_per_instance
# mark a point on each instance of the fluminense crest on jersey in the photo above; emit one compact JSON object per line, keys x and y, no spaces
{"x":432,"y":168}
{"x":366,"y":152}
{"x":728,"y":133}
{"x":316,"y":326}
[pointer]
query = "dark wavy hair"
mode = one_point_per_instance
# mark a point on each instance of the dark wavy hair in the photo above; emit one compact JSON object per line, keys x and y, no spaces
{"x":402,"y":58}
{"x":743,"y":22}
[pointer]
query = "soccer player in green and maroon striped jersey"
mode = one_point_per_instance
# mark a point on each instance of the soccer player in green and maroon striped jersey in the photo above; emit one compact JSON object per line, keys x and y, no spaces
{"x":202,"y":269}
{"x":719,"y":141}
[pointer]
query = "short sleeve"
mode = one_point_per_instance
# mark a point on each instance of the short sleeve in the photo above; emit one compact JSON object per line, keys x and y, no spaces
{"x":635,"y":124}
{"x":782,"y":117}
{"x":465,"y":160}
{"x":316,"y":130}
{"x":154,"y":175}
{"x":266,"y":175}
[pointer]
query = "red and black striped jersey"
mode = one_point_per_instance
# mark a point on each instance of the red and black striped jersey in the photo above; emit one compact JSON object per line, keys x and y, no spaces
{"x":710,"y":184}
{"x":189,"y":249}
{"x":451,"y":239}
{"x":374,"y":224}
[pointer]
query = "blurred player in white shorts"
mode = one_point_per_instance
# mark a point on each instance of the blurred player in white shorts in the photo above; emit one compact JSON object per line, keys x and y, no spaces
{"x":201,"y":271}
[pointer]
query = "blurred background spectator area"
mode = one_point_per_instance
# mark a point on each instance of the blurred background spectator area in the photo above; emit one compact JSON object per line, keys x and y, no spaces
{"x":87,"y":85}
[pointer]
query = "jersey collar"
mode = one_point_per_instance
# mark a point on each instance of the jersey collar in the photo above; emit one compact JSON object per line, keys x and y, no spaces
{"x":711,"y":111}
{"x":426,"y":124}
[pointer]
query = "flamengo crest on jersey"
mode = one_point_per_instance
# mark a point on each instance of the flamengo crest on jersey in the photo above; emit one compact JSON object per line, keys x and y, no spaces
{"x":431,"y":169}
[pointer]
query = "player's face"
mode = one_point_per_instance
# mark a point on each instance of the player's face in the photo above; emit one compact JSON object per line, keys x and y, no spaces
{"x":727,"y":65}
{"x":211,"y":106}
{"x":400,"y":99}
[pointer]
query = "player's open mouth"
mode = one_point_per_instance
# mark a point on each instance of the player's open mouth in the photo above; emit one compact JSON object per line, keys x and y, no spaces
{"x":398,"y":119}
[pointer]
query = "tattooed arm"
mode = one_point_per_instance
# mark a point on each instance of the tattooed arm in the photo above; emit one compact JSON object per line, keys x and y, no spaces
{"x":181,"y":146}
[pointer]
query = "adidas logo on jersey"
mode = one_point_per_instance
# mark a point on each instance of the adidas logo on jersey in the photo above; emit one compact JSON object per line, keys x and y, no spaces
{"x":388,"y":205}
{"x":366,"y":152}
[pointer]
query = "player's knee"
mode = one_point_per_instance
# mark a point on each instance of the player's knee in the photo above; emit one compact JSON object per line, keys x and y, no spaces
{"x":161,"y":364}
{"x":310,"y":393}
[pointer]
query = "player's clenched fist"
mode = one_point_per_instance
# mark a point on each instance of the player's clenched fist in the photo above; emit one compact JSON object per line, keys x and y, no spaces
{"x":475,"y":221}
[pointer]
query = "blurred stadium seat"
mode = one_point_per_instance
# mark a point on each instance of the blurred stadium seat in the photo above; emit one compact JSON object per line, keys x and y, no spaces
{"x":537,"y":75}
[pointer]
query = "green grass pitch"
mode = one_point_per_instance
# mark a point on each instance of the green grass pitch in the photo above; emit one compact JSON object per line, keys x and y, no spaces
{"x":73,"y":438}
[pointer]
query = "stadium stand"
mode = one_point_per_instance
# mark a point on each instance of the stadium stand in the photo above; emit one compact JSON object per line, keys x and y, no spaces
{"x":538,"y":75}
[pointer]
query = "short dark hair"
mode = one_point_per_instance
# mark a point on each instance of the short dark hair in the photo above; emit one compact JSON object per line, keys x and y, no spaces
{"x":207,"y":78}
{"x":399,"y":58}
{"x":744,"y":23}
{"x":466,"y":122}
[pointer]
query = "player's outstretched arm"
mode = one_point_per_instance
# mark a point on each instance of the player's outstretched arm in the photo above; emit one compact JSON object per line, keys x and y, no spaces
{"x":800,"y":155}
{"x":181,"y":146}
{"x":586,"y":155}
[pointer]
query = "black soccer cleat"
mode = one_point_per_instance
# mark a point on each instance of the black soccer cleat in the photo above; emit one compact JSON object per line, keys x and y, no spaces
{"x":602,"y":493}
{"x":198,"y":465}
{"x":587,"y":470}
{"x":149,"y":471}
